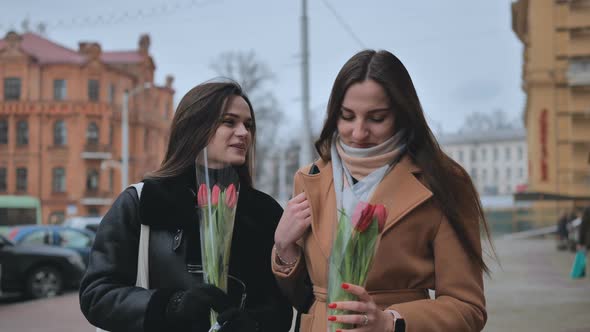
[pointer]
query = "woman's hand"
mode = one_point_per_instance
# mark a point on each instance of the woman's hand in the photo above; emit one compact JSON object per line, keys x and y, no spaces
{"x":367,"y":316}
{"x":294,"y":223}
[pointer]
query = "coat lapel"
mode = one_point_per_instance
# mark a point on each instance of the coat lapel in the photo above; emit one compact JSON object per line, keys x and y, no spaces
{"x":400,"y":192}
{"x":319,"y":189}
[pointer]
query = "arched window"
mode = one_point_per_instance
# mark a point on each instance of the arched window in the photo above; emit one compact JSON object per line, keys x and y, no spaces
{"x":60,"y":133}
{"x":92,"y":133}
{"x":3,"y":131}
{"x":59,"y":180}
{"x":92,"y":180}
{"x":22,"y":133}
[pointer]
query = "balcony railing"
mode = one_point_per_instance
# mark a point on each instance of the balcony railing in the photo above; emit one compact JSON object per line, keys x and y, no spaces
{"x":92,"y":197}
{"x":97,"y":151}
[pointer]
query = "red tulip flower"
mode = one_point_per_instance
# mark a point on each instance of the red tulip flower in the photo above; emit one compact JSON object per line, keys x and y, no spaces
{"x":231,"y":196}
{"x":215,"y":195}
{"x":381,"y":215}
{"x":202,"y":195}
{"x":362,"y":217}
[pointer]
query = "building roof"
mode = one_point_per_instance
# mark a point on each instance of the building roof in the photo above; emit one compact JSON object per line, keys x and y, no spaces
{"x":121,"y":57}
{"x":492,"y":136}
{"x":46,"y":51}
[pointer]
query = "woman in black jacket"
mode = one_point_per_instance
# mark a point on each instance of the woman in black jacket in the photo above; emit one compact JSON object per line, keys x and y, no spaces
{"x":219,"y":116}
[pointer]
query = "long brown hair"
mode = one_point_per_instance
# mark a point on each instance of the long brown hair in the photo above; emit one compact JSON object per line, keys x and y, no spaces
{"x":195,"y":121}
{"x":451,"y":185}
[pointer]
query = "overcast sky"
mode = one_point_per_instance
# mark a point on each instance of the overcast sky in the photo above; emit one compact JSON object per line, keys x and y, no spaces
{"x":461,"y":54}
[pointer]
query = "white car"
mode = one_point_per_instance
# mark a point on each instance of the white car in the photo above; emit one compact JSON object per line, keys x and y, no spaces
{"x":90,"y":223}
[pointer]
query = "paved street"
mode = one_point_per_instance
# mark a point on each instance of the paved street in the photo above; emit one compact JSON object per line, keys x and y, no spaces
{"x":530,"y":291}
{"x":48,"y":315}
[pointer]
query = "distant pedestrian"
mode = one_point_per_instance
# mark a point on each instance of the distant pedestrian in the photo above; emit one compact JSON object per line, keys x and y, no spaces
{"x":584,"y":231}
{"x":562,"y":232}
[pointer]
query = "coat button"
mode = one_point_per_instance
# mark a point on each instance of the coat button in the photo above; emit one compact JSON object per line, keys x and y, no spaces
{"x":177,"y":240}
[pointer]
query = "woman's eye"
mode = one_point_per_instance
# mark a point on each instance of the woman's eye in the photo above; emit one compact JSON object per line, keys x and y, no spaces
{"x":228,"y":122}
{"x":377,"y":119}
{"x":346,"y":117}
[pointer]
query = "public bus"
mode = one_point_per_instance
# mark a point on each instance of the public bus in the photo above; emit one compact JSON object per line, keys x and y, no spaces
{"x":19,"y":210}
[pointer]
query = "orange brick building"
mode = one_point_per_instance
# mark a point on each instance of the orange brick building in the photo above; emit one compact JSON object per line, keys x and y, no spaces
{"x":60,"y":122}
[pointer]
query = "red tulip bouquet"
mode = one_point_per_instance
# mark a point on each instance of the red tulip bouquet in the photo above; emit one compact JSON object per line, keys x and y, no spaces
{"x":352,"y":252}
{"x":217,"y":198}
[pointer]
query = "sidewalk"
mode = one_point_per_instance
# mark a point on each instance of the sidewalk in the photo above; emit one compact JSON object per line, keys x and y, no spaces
{"x":532,"y":291}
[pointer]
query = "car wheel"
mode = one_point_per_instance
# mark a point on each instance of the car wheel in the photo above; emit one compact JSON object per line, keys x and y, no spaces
{"x":44,"y":281}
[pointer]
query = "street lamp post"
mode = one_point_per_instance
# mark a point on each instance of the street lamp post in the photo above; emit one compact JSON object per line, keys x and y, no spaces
{"x":125,"y":132}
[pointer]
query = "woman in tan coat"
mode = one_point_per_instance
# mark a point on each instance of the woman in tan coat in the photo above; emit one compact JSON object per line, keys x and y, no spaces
{"x":431,"y":237}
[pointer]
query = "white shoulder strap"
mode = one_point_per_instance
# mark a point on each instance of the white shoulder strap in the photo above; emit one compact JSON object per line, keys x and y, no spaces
{"x":144,"y":241}
{"x":142,"y":256}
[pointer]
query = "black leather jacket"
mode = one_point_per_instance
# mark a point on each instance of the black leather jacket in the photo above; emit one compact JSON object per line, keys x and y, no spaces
{"x":108,"y":298}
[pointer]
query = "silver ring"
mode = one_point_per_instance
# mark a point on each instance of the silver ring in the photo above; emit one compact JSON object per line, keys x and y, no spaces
{"x":365,"y":320}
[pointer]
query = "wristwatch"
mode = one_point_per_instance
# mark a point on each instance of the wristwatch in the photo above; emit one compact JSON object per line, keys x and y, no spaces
{"x":399,"y":324}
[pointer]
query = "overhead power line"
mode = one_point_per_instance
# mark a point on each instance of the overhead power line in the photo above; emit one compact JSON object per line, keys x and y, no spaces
{"x":343,"y":23}
{"x":118,"y":17}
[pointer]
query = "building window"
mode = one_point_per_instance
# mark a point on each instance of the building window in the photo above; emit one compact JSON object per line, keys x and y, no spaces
{"x":474,"y":173}
{"x":3,"y":131}
{"x":57,"y":217}
{"x":146,"y":137}
{"x":520,"y":153}
{"x":93,"y":212}
{"x":508,"y":173}
{"x":112,"y":91}
{"x":93,"y":90}
{"x":111,"y":134}
{"x":111,"y":180}
{"x":12,"y":88}
{"x":92,"y":180}
{"x":60,"y":133}
{"x":484,"y":175}
{"x":521,"y":172}
{"x":3,"y":179}
{"x":59,"y":89}
{"x":484,"y":154}
{"x":461,"y":156}
{"x":92,"y":134}
{"x":21,"y":179}
{"x":59,"y":180}
{"x":496,"y":173}
{"x":473,"y":155}
{"x":507,"y":153}
{"x":22,"y":133}
{"x":495,"y":154}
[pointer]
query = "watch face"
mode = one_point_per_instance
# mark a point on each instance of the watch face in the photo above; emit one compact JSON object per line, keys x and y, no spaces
{"x":400,"y":325}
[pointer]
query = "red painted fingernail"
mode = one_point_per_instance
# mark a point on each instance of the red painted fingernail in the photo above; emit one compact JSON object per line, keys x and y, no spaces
{"x":338,"y":330}
{"x":345,"y":285}
{"x":332,"y":305}
{"x":331,"y":318}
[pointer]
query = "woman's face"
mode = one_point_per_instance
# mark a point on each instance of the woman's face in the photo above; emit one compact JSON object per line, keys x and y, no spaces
{"x":366,"y":118}
{"x":232,"y":139}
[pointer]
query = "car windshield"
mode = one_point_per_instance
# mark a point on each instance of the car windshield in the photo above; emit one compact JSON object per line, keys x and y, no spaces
{"x":4,"y":240}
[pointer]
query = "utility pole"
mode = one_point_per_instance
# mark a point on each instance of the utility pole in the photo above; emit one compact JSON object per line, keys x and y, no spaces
{"x":125,"y":141}
{"x":125,"y":133}
{"x":305,"y":153}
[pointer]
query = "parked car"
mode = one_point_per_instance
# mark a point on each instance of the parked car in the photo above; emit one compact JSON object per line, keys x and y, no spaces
{"x":76,"y":239}
{"x":90,"y":223}
{"x":37,"y":270}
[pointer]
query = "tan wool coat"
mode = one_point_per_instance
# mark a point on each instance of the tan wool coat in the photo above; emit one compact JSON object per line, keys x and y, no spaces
{"x":418,"y":251}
